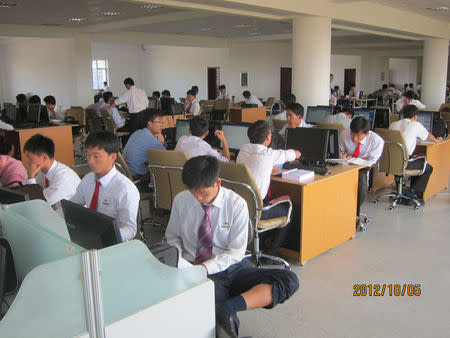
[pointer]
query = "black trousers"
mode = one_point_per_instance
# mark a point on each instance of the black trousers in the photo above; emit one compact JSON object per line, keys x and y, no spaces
{"x":419,"y":183}
{"x":136,"y":122}
{"x":277,"y":236}
{"x":362,"y":189}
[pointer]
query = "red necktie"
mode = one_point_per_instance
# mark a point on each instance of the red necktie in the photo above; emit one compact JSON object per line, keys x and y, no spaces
{"x":46,"y":182}
{"x":356,"y":152}
{"x":204,"y":244}
{"x":94,"y":201}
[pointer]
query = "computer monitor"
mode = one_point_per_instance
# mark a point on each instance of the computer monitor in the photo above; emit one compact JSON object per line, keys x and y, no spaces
{"x":382,"y":118}
{"x":182,"y":129}
{"x":11,"y":112}
{"x":426,"y":118}
{"x":311,"y":142}
{"x":88,"y":228}
{"x":10,"y":196}
{"x":37,"y":114}
{"x":317,"y":114}
{"x":333,"y":143}
{"x":369,"y":115}
{"x":236,"y":135}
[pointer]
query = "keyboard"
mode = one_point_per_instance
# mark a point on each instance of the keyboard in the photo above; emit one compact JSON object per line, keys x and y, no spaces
{"x":318,"y":170}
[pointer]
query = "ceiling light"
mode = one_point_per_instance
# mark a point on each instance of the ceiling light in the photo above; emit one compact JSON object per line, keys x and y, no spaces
{"x":437,"y":9}
{"x":75,"y":19}
{"x":254,"y":33}
{"x":205,"y":29}
{"x":242,"y":26}
{"x":7,"y":4}
{"x":110,"y":13}
{"x":150,"y":6}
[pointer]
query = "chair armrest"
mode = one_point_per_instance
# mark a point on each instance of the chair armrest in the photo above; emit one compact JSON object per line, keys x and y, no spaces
{"x":279,"y":199}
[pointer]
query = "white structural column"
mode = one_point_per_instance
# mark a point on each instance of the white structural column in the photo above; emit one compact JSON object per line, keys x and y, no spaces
{"x":434,"y":72}
{"x":311,"y":55}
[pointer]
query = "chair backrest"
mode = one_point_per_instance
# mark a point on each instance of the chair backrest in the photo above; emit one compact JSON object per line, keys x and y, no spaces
{"x":270,"y":101}
{"x":395,"y":152}
{"x":94,"y":121}
{"x":395,"y":117}
{"x":206,"y":106}
{"x":78,"y":114}
{"x":123,"y":166}
{"x":108,"y":121}
{"x":340,"y":127}
{"x":165,"y":168}
{"x":278,"y":124}
{"x":240,"y":179}
{"x":223,"y":104}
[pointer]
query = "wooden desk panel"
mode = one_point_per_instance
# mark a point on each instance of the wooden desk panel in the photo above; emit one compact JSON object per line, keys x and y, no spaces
{"x":326,"y":208}
{"x":247,"y":114}
{"x":380,"y":180}
{"x":438,"y":156}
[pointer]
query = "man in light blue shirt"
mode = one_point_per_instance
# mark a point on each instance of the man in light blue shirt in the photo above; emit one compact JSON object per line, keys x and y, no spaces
{"x":135,"y":152}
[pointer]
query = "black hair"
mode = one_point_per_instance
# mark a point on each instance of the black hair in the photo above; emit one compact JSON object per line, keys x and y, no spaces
{"x":352,"y":85}
{"x":222,"y":87}
{"x":411,"y":84}
{"x":103,"y":140}
{"x":410,"y":94}
{"x":195,"y":89}
{"x":246,"y":94}
{"x":331,"y":75}
{"x":39,"y":144}
{"x":21,"y":98}
{"x":336,"y":87}
{"x":128,"y":81}
{"x":105,"y":83}
{"x":35,"y":99}
{"x":199,"y":126}
{"x":5,"y":147}
{"x":49,"y":99}
{"x":348,"y":110}
{"x":165,"y":92}
{"x":151,"y":114}
{"x":358,"y":124}
{"x":410,"y":111}
{"x":156,"y":93}
{"x":289,"y":99}
{"x":385,"y":86}
{"x":191,"y":92}
{"x":200,"y":172}
{"x":405,"y":85}
{"x":296,"y":108}
{"x":258,"y":132}
{"x":106,"y":96}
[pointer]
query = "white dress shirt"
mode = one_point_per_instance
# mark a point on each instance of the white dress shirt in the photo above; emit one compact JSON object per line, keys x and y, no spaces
{"x":59,"y":113}
{"x":135,"y":98}
{"x":195,"y":146}
{"x":118,"y":197}
{"x":400,"y":103}
{"x":371,"y":146}
{"x":119,"y":121}
{"x":412,"y":130}
{"x":62,"y":184}
{"x":261,"y":160}
{"x":253,"y":100}
{"x":303,"y":124}
{"x":339,"y":118}
{"x":221,"y":96}
{"x":192,"y":107}
{"x":229,"y":222}
{"x":353,"y":94}
{"x":281,"y":116}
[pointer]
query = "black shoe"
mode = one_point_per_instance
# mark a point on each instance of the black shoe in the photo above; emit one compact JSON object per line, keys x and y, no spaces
{"x":225,"y":325}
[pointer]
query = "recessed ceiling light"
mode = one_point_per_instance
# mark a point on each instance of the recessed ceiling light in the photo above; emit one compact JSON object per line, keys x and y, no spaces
{"x":110,"y":13}
{"x":7,"y":4}
{"x":437,"y":8}
{"x":75,"y":19}
{"x":242,"y":26}
{"x":205,"y":29}
{"x":254,"y":33}
{"x":150,"y":6}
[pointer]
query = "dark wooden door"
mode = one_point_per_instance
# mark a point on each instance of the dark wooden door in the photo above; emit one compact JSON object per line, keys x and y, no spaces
{"x":213,"y":82}
{"x":349,"y":79}
{"x":285,"y":81}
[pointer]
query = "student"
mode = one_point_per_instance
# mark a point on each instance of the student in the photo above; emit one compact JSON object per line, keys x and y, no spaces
{"x":261,"y":160}
{"x":294,"y":116}
{"x":353,"y":93}
{"x":105,"y":189}
{"x":409,"y":98}
{"x":333,"y":99}
{"x":360,"y":142}
{"x":413,"y":130}
{"x":119,"y":120}
{"x":35,"y":100}
{"x":250,"y":99}
{"x":165,"y":94}
{"x":287,"y":100}
{"x":157,"y":98}
{"x":223,"y":93}
{"x":344,"y":117}
{"x":195,"y":145}
{"x":57,"y":180}
{"x":21,"y":99}
{"x":191,"y":105}
{"x":405,"y":89}
{"x":135,"y":152}
{"x":209,"y":226}
{"x":331,"y":79}
{"x":11,"y":170}
{"x":337,"y":92}
{"x":54,"y":112}
{"x":105,"y":87}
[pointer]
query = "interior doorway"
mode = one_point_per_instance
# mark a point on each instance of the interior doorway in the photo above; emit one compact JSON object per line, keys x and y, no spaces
{"x":285,"y":81}
{"x":213,"y":82}
{"x":349,"y":79}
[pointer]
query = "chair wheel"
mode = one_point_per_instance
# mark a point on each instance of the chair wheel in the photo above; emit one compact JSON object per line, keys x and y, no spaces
{"x":375,"y":201}
{"x":417,"y":207}
{"x":391,"y":208}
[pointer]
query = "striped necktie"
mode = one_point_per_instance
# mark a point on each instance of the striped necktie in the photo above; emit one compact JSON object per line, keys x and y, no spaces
{"x":204,"y":244}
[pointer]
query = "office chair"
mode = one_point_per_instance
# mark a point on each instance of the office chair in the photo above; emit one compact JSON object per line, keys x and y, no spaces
{"x":340,"y":127}
{"x":238,"y":177}
{"x":94,"y":121}
{"x":278,"y":124}
{"x":78,"y":116}
{"x":110,"y":125}
{"x":394,"y":160}
{"x":220,"y":111}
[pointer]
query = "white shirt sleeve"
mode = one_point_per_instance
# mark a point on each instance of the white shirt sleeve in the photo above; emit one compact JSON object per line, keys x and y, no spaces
{"x":195,"y":108}
{"x":217,"y":155}
{"x":419,"y":104}
{"x":399,"y":104}
{"x":127,"y":212}
{"x":421,"y":131}
{"x":377,"y":150}
{"x":282,"y":156}
{"x":123,"y":98}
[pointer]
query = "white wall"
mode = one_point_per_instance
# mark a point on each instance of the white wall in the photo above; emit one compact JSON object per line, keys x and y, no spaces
{"x":341,"y":62}
{"x":402,"y":71}
{"x":374,"y":72}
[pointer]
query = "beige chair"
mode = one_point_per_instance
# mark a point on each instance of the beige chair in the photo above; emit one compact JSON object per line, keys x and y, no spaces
{"x":77,"y":115}
{"x":270,"y":101}
{"x":339,"y":126}
{"x":238,"y":177}
{"x":110,"y":125}
{"x":94,"y":121}
{"x":221,"y":106}
{"x":395,"y":117}
{"x":394,"y":160}
{"x":278,"y":124}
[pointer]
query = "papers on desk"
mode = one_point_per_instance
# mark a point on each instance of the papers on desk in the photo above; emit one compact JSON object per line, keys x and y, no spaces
{"x":353,"y":160}
{"x":298,"y":175}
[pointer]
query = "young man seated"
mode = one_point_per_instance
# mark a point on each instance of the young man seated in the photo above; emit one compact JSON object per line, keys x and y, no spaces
{"x":413,"y":130}
{"x":191,"y":105}
{"x":409,"y":99}
{"x":360,"y":142}
{"x":54,"y":111}
{"x":287,"y":100}
{"x":209,"y":226}
{"x":105,"y":189}
{"x":57,"y":180}
{"x":261,"y":160}
{"x":165,"y":94}
{"x":345,"y":117}
{"x":135,"y":152}
{"x":353,"y":93}
{"x":157,"y":98}
{"x":11,"y":170}
{"x":195,"y":145}
{"x":119,"y":120}
{"x":250,"y":99}
{"x":294,"y":116}
{"x":223,"y":93}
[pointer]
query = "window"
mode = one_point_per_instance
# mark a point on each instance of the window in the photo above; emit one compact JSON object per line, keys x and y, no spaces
{"x":99,"y":73}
